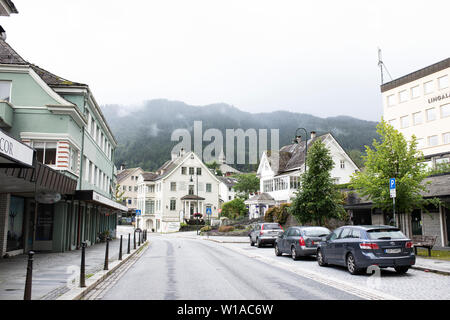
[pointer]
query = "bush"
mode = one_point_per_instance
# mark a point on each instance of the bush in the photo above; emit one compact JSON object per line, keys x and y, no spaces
{"x":205,"y":229}
{"x":282,"y":213}
{"x":268,"y":216}
{"x":226,"y":228}
{"x":234,"y":209}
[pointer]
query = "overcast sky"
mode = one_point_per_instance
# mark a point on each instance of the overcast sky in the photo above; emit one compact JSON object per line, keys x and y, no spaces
{"x":317,"y":57}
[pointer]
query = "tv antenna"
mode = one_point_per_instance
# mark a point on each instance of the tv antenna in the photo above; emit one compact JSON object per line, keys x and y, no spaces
{"x":382,"y":65}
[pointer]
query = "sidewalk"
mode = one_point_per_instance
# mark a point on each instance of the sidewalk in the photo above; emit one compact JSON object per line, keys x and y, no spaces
{"x":433,"y":265}
{"x":52,"y":270}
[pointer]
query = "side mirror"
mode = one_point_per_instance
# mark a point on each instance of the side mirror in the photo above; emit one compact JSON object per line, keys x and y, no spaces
{"x":281,"y":234}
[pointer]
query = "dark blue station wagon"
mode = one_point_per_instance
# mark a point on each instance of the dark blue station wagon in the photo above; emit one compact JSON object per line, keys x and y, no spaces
{"x":358,"y":247}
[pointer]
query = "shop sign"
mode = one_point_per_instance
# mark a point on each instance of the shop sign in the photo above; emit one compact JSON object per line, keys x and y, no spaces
{"x":48,"y":197}
{"x":15,"y":150}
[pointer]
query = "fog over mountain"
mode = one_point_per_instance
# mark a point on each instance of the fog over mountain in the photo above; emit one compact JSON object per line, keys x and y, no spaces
{"x":144,"y":132}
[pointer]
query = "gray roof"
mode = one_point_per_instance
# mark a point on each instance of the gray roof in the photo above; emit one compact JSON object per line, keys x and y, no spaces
{"x":150,"y":176}
{"x":291,"y":157}
{"x":192,"y":197}
{"x":54,"y":80}
{"x":229,"y":182}
{"x":262,"y":197}
{"x":9,"y":56}
{"x":170,"y":165}
{"x":226,"y":168}
{"x":125,"y":173}
{"x":11,"y":7}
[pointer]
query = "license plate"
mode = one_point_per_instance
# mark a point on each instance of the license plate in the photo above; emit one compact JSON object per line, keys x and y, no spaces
{"x":393,"y":250}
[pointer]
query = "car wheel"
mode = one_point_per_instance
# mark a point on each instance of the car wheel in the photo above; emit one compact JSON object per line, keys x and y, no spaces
{"x":294,"y":253}
{"x":258,"y":242}
{"x":402,"y":270}
{"x":251,"y":242}
{"x":277,"y":251}
{"x":351,"y":264}
{"x":321,"y":259}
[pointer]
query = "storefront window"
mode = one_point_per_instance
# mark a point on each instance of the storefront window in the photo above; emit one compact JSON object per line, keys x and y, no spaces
{"x":15,"y":224}
{"x":44,"y":227}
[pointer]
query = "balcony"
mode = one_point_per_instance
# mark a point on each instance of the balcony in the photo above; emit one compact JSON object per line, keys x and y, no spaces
{"x":6,"y":114}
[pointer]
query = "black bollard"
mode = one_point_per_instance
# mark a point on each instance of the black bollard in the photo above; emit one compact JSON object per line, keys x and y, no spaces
{"x":29,"y":279}
{"x":145,"y":235}
{"x":128,"y":249}
{"x":82,"y":267}
{"x":134,"y":239}
{"x":106,"y":254}
{"x":120,"y":248}
{"x":139,"y":239}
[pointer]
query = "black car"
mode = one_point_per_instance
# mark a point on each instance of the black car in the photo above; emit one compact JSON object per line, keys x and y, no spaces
{"x":300,"y":241}
{"x":358,"y":247}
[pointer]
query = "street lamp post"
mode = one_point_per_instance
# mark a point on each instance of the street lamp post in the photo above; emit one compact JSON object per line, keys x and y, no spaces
{"x":306,"y":141}
{"x":192,"y":180}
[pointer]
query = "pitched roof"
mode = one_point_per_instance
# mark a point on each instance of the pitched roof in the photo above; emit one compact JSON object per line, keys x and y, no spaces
{"x":226,"y":168}
{"x":150,"y":176}
{"x":9,"y":56}
{"x":229,"y":182}
{"x":262,"y":197}
{"x":54,"y":80}
{"x":290,"y":157}
{"x":121,"y":175}
{"x":7,"y":7}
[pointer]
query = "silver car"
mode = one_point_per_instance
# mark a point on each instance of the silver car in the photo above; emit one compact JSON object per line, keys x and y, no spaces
{"x":264,"y":233}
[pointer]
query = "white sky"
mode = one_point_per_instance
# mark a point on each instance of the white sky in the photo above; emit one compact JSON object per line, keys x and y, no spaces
{"x":317,"y":57}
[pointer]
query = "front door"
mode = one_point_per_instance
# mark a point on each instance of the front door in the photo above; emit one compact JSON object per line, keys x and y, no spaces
{"x":416,"y":222}
{"x":447,"y":220}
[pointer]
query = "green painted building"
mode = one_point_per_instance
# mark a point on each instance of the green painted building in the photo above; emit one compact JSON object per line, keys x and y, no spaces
{"x":61,"y":121}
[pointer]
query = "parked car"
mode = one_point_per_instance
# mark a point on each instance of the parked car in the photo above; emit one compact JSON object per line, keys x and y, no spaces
{"x":300,"y":241}
{"x":358,"y":247}
{"x":264,"y":233}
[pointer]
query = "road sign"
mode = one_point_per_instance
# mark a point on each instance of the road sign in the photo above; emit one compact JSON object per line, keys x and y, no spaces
{"x":392,"y":188}
{"x":208,"y":211}
{"x":138,"y":212}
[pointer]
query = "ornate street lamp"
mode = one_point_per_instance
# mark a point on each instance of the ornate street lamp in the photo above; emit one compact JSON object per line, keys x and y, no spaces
{"x":195,"y":214}
{"x":297,"y":140}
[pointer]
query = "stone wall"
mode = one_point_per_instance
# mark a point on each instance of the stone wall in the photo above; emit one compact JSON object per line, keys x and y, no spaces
{"x":431,"y":226}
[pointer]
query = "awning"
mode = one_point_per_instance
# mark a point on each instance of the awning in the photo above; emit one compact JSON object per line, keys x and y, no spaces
{"x":192,"y":197}
{"x":91,"y":195}
{"x":14,"y":153}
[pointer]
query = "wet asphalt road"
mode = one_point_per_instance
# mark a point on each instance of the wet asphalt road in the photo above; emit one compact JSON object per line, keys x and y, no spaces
{"x":187,"y":269}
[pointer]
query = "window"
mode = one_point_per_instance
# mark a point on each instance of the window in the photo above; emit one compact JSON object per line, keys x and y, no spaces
{"x":183,"y":170}
{"x":199,"y":171}
{"x":431,"y":114}
{"x":150,"y":207}
{"x":173,"y":186}
{"x":420,"y":143}
{"x":443,"y":82}
{"x":294,"y":182}
{"x":342,"y":164}
{"x":356,"y":234}
{"x":404,"y":121}
{"x":191,"y":171}
{"x":5,"y":91}
{"x":93,"y":128}
{"x":417,"y":118}
{"x":191,"y":189}
{"x":445,"y":110}
{"x":428,"y":87}
{"x":403,"y":95}
{"x":433,"y":141}
{"x":135,"y":189}
{"x":173,"y":203}
{"x":73,"y":160}
{"x":415,"y":92}
{"x":393,"y":122}
{"x":346,"y":233}
{"x":124,"y":188}
{"x":208,"y":187}
{"x":46,"y":152}
{"x":129,"y":188}
{"x":446,"y":137}
{"x":391,"y":100}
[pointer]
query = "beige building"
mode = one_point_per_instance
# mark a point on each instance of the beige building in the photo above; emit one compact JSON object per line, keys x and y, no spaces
{"x":419,"y":104}
{"x":127,"y":180}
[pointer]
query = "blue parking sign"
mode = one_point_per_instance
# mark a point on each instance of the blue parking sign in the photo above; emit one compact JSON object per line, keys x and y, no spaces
{"x":208,"y":210}
{"x":138,"y":212}
{"x":392,"y":183}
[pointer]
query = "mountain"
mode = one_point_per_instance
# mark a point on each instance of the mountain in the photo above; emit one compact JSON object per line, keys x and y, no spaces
{"x":144,"y":133}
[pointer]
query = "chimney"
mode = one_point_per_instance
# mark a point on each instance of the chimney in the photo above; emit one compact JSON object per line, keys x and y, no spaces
{"x":122,"y":166}
{"x":313,"y":135}
{"x":182,"y":152}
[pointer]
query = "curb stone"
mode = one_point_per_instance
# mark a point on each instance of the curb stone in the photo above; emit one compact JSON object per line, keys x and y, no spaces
{"x":93,"y":281}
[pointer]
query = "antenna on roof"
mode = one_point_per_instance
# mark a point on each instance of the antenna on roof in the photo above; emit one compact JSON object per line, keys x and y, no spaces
{"x":381,"y":65}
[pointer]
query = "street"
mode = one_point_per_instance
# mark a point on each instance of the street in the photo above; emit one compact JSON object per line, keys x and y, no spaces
{"x":178,"y":267}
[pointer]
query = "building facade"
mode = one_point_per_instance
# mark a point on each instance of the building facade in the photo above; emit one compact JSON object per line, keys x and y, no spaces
{"x":61,"y":121}
{"x":127,"y":179}
{"x":226,"y":191}
{"x":180,"y":188}
{"x":419,"y":104}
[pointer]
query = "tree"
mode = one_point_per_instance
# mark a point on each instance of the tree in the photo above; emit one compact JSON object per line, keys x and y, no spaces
{"x":393,"y":157}
{"x":119,"y":194}
{"x":234,"y":209}
{"x":357,"y":157}
{"x":318,"y":198}
{"x":246,"y":183}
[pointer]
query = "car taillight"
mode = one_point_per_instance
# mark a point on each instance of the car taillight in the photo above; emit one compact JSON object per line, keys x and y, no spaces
{"x":301,"y":241}
{"x":409,"y":244}
{"x":369,"y":246}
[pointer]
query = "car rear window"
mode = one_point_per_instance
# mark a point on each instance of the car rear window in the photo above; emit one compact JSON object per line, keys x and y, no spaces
{"x":316,"y":232}
{"x":268,"y":226}
{"x":385,"y":234}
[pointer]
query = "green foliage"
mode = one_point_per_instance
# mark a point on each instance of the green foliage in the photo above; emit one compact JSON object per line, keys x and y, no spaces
{"x":119,"y":194}
{"x":246,"y":183}
{"x":357,"y":157}
{"x":226,"y":228}
{"x":317,"y":199}
{"x":282,"y":213}
{"x":234,"y":209}
{"x":440,"y":169}
{"x":268,"y":216}
{"x":205,"y":229}
{"x":144,"y":134}
{"x":393,"y":157}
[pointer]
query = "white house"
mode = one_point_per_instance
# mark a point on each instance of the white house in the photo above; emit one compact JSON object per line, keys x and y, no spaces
{"x":226,"y":191}
{"x":280,"y":171}
{"x":128,"y":179}
{"x":178,"y":189}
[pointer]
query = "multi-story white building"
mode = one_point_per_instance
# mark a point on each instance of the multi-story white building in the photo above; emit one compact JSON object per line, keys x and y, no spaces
{"x":127,"y":179}
{"x":178,"y":189}
{"x":280,"y":172}
{"x":419,"y":104}
{"x":226,"y":191}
